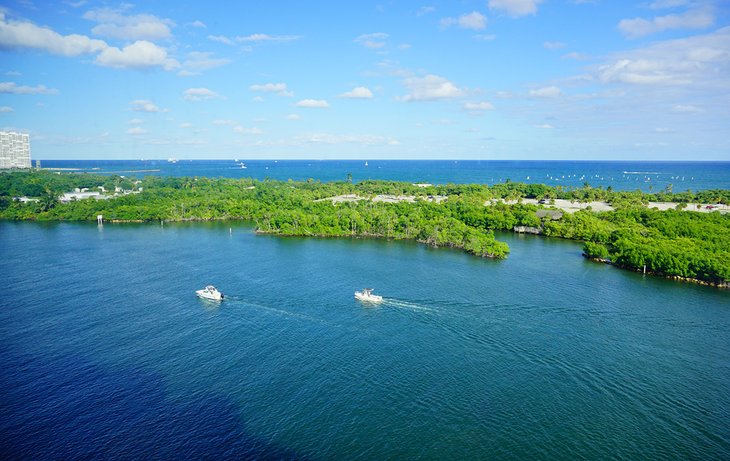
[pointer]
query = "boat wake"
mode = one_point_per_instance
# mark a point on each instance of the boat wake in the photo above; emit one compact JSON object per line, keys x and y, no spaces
{"x":391,"y":302}
{"x":274,"y":310}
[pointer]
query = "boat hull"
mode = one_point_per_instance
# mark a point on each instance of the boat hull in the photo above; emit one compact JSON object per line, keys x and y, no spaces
{"x":368,"y":298}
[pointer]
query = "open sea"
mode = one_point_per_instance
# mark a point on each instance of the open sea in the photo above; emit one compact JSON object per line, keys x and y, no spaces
{"x":106,"y":353}
{"x":621,"y":175}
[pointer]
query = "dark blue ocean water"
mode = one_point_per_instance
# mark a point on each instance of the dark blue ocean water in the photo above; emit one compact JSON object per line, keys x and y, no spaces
{"x":646,"y":176}
{"x":106,"y":353}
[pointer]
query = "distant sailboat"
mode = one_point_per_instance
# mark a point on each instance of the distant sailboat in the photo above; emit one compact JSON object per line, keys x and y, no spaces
{"x":366,"y":163}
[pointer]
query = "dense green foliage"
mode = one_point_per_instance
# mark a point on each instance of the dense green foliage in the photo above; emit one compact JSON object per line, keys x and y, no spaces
{"x":676,"y":243}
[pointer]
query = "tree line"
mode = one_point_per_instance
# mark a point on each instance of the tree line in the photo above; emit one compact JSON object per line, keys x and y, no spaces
{"x":673,"y":243}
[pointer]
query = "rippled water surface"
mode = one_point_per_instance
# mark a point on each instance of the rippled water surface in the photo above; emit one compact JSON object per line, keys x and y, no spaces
{"x":106,"y":352}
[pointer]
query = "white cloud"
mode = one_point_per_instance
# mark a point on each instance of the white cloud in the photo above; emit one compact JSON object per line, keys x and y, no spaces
{"x":699,"y":60}
{"x":693,"y":19}
{"x":199,"y":94}
{"x":485,"y":37}
{"x":430,"y":88}
{"x":135,"y":121}
{"x":225,"y":122}
{"x":664,"y":130}
{"x":545,"y":126}
{"x":576,"y":56}
{"x":359,"y":92}
{"x":198,"y":61}
{"x":515,"y":8}
{"x":293,"y":117}
{"x":313,"y":103}
{"x":113,"y":24}
{"x":139,"y":55}
{"x":136,"y":131}
{"x":661,"y":4}
{"x":267,"y":38}
{"x":546,"y":92}
{"x":278,"y":88}
{"x":328,"y":138}
{"x":425,"y":10}
{"x":199,"y":24}
{"x":143,"y":105}
{"x":553,"y":45}
{"x":243,"y":130}
{"x":478,"y":106}
{"x":23,"y":34}
{"x":5,"y":109}
{"x":473,"y":20}
{"x":686,"y":109}
{"x":373,"y":41}
{"x":186,"y":125}
{"x":13,"y":88}
{"x":221,"y":39}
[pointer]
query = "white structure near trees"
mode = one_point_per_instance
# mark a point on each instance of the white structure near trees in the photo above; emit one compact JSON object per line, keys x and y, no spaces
{"x":14,"y":150}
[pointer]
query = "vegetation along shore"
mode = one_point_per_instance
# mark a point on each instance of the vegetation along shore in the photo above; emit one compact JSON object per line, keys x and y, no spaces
{"x":631,"y":233}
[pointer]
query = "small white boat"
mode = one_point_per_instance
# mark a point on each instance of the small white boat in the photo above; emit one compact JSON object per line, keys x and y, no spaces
{"x":210,"y":292}
{"x":367,"y":295}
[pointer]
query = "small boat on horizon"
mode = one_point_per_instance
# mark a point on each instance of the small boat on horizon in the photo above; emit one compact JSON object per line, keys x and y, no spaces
{"x":210,"y":292}
{"x":367,"y":295}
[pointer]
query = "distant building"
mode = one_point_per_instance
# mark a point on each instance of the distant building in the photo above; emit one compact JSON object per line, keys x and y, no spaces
{"x":14,"y":150}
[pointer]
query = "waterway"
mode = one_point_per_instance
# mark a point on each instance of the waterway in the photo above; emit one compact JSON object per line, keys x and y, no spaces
{"x":107,"y":354}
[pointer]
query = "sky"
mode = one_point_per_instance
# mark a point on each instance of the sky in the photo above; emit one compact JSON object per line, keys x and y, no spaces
{"x":489,"y":79}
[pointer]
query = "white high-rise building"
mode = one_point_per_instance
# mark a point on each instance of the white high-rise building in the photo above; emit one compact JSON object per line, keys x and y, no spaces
{"x":14,"y":150}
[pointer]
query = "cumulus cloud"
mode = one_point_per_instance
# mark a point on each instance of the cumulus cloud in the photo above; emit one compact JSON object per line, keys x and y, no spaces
{"x":250,"y":131}
{"x":553,"y":45}
{"x":686,"y":109}
{"x":359,"y":92}
{"x":136,"y":131}
{"x":473,"y":20}
{"x":545,"y":126}
{"x":135,"y":121}
{"x":258,"y":38}
{"x":139,"y":55}
{"x":515,"y":8}
{"x":313,"y":103}
{"x":693,"y":19}
{"x":478,"y":106}
{"x":5,"y":109}
{"x":144,"y":105}
{"x":277,"y":88}
{"x":13,"y":88}
{"x":225,"y":122}
{"x":199,"y":94}
{"x":373,"y":41}
{"x":699,"y":59}
{"x":293,"y":117}
{"x":430,"y":88}
{"x":328,"y":138}
{"x":198,"y":61}
{"x":546,"y":92}
{"x":23,"y":34}
{"x":199,"y":24}
{"x":221,"y":39}
{"x":114,"y":24}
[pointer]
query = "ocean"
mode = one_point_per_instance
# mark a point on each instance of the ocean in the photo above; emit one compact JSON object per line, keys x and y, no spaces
{"x":106,"y":352}
{"x":620,"y":175}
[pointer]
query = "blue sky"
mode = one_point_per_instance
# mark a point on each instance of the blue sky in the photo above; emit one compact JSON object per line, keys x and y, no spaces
{"x":490,"y":79}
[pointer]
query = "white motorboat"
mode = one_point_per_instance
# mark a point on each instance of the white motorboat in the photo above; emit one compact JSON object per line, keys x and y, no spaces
{"x":367,"y":295}
{"x":210,"y":292}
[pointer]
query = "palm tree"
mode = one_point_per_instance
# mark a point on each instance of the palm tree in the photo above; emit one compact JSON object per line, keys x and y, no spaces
{"x":48,"y":199}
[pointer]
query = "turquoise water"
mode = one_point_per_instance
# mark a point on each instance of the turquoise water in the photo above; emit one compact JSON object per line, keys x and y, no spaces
{"x":106,"y":352}
{"x":620,"y":175}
